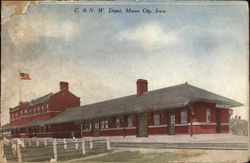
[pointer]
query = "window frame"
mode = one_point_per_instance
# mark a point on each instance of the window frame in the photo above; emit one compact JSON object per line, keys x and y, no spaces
{"x":182,"y":119}
{"x":157,"y":119}
{"x":117,"y":121}
{"x":106,"y":124}
{"x":208,"y":114}
{"x":102,"y":124}
{"x":130,"y":121}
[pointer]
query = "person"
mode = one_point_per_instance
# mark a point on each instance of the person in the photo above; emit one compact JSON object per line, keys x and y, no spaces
{"x":3,"y":143}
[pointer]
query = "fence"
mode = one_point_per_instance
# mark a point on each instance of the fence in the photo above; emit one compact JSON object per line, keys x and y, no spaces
{"x":58,"y":144}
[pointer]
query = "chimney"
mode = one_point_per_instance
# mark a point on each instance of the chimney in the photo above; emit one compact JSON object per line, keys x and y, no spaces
{"x":64,"y":85}
{"x":142,"y":86}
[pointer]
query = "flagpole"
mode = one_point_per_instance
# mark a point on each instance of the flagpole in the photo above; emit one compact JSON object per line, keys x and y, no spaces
{"x":19,"y":85}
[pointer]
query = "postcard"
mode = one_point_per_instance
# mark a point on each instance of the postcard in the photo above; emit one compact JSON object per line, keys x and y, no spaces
{"x":117,"y":81}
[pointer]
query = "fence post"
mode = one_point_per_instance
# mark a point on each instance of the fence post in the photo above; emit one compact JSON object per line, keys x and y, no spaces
{"x":76,"y":144}
{"x":45,"y":142}
{"x":19,"y":154}
{"x":29,"y":142}
{"x":108,"y":144}
{"x":83,"y":147}
{"x":65,"y":143}
{"x":37,"y":142}
{"x":91,"y":143}
{"x":55,"y":149}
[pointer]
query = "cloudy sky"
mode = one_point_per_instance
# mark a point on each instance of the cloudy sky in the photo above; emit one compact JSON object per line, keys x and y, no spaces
{"x":102,"y":55}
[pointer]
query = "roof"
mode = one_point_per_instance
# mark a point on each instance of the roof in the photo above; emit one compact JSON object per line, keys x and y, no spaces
{"x":41,"y":100}
{"x":165,"y":98}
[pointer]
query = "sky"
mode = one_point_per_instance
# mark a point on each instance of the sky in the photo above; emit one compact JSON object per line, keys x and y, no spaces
{"x":102,"y":55}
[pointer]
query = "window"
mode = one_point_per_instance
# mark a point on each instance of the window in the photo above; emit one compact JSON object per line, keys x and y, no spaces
{"x":184,"y":116}
{"x":45,"y":129}
{"x":102,"y":124}
{"x":156,"y":118}
{"x":86,"y":125}
{"x":118,"y":123}
{"x":106,"y":124}
{"x":208,"y":115}
{"x":96,"y":125}
{"x":130,"y":121}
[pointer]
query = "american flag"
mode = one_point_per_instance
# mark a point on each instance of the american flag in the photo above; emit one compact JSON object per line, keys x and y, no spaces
{"x":24,"y":76}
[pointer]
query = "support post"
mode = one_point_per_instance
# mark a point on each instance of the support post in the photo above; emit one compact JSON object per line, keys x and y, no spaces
{"x":91,"y":143}
{"x":65,"y":143}
{"x":76,"y":144}
{"x":45,"y":143}
{"x":19,"y":154}
{"x":37,"y":142}
{"x":83,"y":147}
{"x":55,"y":149}
{"x":108,"y":144}
{"x":81,"y":132}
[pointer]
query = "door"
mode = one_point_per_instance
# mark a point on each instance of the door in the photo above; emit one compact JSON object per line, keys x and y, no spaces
{"x":171,"y":122}
{"x":218,"y":120}
{"x":95,"y":128}
{"x":142,"y":125}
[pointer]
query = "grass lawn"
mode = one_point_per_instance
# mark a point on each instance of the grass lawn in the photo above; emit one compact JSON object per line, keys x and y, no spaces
{"x":41,"y":154}
{"x":141,"y":157}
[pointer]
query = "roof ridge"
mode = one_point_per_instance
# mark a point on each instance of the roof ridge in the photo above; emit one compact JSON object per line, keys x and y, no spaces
{"x":41,"y":97}
{"x":192,"y":90}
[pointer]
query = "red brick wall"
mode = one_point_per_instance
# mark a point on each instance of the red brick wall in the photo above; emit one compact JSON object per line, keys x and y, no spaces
{"x":57,"y":103}
{"x":224,"y":129}
{"x":200,"y":111}
{"x":63,"y":100}
{"x":224,"y":115}
{"x":64,"y":130}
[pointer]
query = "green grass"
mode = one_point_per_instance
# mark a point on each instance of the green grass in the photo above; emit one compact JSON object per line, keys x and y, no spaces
{"x":136,"y":156}
{"x":41,"y":154}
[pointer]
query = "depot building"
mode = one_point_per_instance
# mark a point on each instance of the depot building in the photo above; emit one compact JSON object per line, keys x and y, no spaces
{"x":179,"y":109}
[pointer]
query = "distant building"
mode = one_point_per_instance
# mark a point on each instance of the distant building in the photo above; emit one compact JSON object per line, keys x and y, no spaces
{"x":180,"y":109}
{"x":43,"y":109}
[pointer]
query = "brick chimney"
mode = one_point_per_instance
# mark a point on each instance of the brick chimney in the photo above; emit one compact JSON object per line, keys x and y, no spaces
{"x":64,"y":85}
{"x":142,"y":86}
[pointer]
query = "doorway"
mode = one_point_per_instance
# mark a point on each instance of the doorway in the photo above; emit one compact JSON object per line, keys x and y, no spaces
{"x":95,"y":128}
{"x":218,"y":120}
{"x":142,"y":125}
{"x":171,"y":122}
